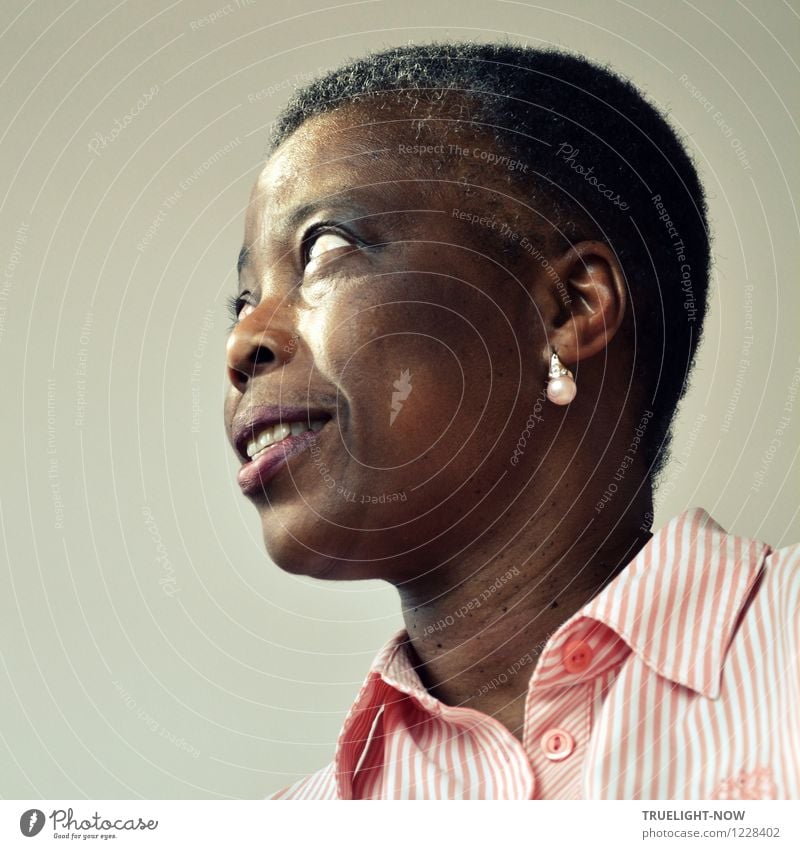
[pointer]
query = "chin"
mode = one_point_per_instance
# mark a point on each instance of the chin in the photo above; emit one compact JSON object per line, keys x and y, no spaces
{"x":305,"y":548}
{"x":292,"y":546}
{"x":292,"y":557}
{"x":316,"y":532}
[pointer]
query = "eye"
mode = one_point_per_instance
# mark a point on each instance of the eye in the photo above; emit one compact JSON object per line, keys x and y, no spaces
{"x":318,"y":244}
{"x":238,"y":308}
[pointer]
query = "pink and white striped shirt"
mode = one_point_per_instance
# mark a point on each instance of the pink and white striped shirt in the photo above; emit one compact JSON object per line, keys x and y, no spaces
{"x":680,"y":680}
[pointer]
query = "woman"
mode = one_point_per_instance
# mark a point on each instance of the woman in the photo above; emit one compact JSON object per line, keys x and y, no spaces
{"x":472,"y":287}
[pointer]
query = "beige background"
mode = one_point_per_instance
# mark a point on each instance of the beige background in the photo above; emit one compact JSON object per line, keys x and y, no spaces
{"x":148,"y":647}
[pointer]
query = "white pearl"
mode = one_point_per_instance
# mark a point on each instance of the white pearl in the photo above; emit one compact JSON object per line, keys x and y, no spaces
{"x":561,"y":390}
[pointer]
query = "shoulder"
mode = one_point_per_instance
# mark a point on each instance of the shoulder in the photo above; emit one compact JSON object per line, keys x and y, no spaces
{"x":319,"y":785}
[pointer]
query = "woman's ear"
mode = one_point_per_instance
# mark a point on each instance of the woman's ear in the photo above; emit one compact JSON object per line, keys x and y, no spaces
{"x":593,"y":297}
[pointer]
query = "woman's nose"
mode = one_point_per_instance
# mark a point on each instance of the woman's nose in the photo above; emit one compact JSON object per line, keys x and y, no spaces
{"x":257,"y":346}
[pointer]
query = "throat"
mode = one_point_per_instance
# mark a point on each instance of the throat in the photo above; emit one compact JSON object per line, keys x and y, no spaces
{"x":477,"y":644}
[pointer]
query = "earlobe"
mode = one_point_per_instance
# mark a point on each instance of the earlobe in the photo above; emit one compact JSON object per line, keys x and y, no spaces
{"x":596,"y":301}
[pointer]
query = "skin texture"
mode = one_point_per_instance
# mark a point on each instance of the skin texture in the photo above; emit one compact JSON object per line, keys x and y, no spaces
{"x":472,"y":318}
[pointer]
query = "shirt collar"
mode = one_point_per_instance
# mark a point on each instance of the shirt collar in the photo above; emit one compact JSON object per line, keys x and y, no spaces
{"x":689,"y":582}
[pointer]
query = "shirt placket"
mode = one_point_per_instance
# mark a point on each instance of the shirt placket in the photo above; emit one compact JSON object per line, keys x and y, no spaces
{"x":563,"y":696}
{"x":557,"y":733}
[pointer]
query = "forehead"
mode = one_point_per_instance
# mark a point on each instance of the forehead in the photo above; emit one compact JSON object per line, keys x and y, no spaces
{"x":383,"y":157}
{"x":324,"y":157}
{"x":326,"y":147}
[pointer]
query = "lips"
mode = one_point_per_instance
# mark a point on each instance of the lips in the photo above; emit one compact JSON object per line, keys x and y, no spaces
{"x":265,"y":437}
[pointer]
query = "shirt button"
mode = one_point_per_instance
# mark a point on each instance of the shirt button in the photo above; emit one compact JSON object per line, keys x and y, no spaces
{"x":557,"y":744}
{"x":577,"y":656}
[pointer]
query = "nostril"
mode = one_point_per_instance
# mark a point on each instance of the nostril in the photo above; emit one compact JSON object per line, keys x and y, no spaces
{"x":262,"y":356}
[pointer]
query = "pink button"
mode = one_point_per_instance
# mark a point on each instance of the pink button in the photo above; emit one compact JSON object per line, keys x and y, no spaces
{"x":557,"y":744}
{"x":577,"y":656}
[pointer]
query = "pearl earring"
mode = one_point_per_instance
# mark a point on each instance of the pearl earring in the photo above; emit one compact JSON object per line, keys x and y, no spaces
{"x":561,"y":387}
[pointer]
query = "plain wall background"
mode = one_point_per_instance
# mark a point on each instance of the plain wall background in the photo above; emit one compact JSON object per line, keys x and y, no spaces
{"x":148,"y":648}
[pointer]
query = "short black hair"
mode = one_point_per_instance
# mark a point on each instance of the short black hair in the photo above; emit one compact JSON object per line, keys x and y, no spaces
{"x":607,"y":161}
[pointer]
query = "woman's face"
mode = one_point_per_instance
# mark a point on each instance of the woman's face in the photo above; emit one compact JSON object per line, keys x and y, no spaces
{"x":372,"y":309}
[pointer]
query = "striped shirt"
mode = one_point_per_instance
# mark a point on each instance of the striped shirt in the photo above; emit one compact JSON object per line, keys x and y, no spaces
{"x":679,"y":680}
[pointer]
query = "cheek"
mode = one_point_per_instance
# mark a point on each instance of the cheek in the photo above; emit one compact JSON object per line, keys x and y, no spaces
{"x":229,"y":406}
{"x":427,"y":372}
{"x":410,"y":393}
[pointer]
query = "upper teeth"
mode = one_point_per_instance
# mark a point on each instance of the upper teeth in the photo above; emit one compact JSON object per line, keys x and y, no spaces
{"x":275,"y":433}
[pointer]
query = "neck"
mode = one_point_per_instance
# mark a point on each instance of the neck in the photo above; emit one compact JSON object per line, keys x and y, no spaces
{"x":493,"y":611}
